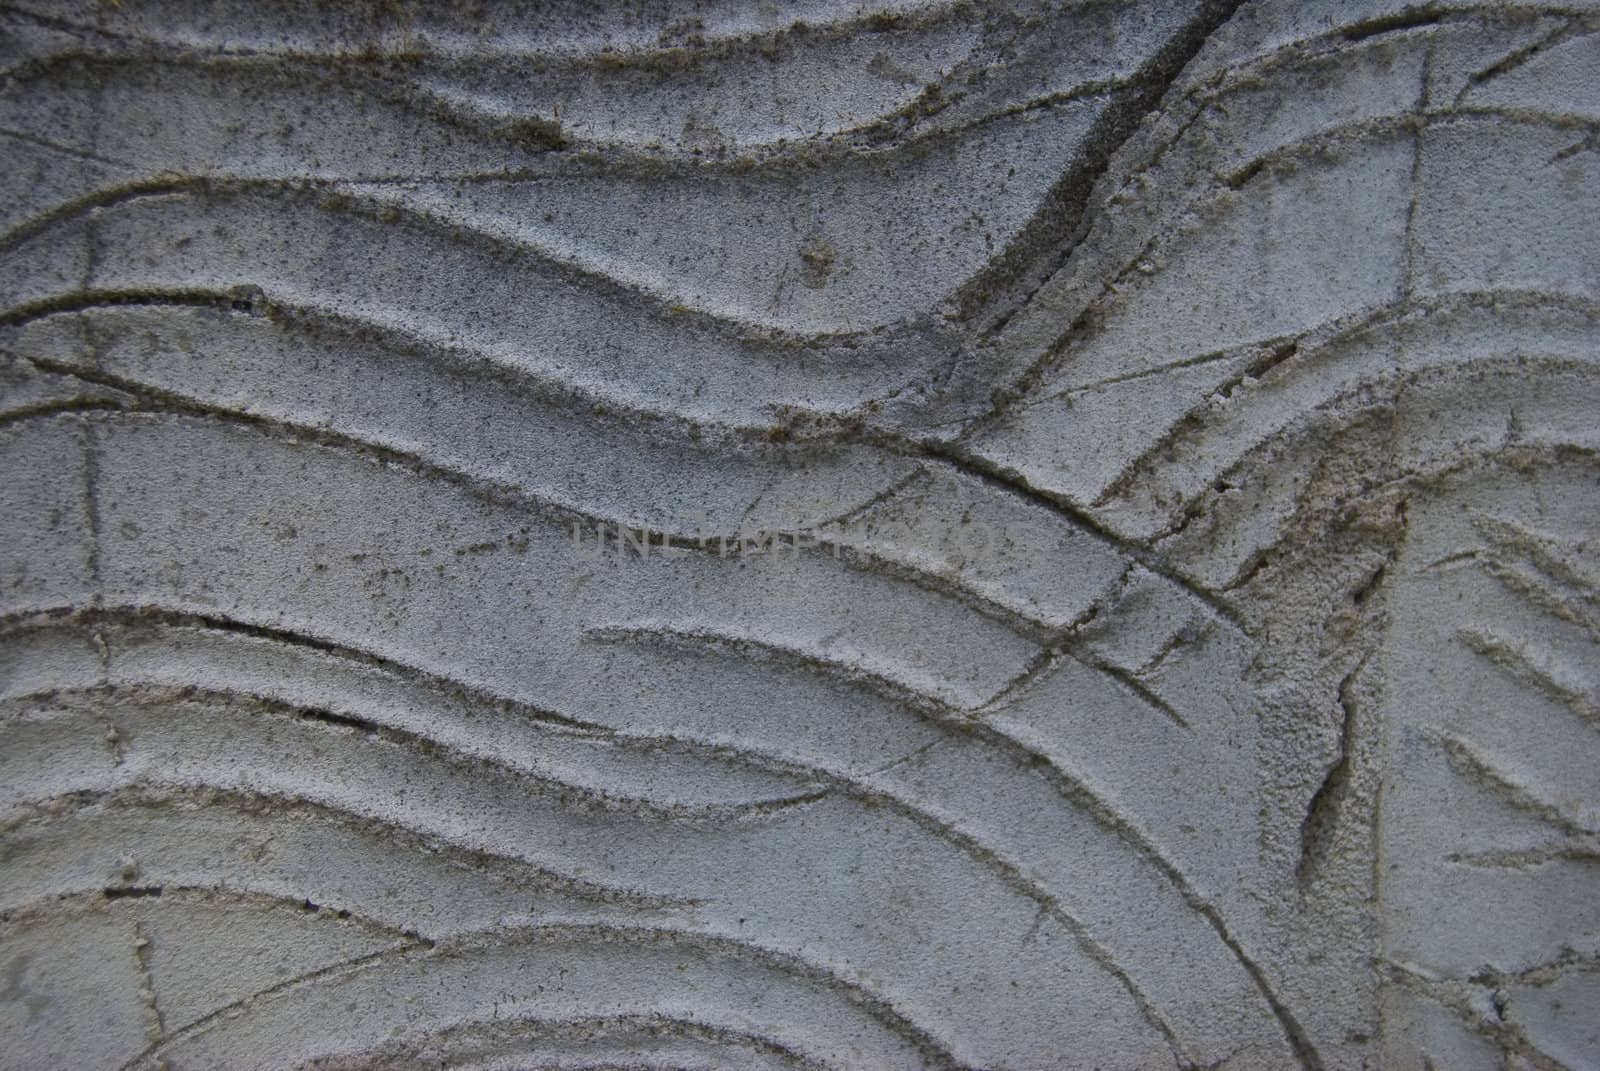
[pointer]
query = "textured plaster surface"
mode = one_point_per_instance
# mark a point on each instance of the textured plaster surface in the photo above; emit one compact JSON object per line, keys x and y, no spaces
{"x":797,"y":535}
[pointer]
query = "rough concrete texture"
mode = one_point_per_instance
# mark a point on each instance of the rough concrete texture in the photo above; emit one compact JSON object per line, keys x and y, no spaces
{"x":1183,"y":650}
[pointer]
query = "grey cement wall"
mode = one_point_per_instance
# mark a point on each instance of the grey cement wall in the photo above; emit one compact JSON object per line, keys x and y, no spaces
{"x":756,"y":535}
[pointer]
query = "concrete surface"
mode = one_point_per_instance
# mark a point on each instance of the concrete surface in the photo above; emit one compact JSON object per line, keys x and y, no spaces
{"x":822,"y":534}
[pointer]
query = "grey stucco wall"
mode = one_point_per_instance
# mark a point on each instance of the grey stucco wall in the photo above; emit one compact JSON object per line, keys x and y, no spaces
{"x":881,"y":535}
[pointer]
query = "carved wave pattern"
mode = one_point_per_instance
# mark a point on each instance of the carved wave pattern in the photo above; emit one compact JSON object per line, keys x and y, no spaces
{"x":1272,"y":327}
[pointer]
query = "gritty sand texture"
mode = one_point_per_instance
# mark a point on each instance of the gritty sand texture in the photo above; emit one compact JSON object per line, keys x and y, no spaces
{"x":1182,"y":649}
